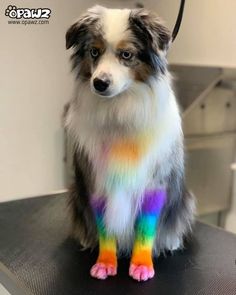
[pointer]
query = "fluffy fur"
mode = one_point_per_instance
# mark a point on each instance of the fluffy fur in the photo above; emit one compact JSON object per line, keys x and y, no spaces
{"x":127,"y":135}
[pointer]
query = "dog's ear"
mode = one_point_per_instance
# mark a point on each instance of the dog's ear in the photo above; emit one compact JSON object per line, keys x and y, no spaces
{"x":72,"y":36}
{"x":148,"y":25}
{"x":80,"y":30}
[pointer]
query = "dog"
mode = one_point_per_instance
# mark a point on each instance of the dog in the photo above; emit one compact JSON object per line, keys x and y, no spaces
{"x":129,"y":193}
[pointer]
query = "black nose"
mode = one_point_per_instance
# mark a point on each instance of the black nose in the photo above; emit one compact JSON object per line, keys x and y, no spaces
{"x":101,"y":85}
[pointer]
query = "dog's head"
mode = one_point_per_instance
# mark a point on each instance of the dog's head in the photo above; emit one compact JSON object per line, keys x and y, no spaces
{"x":115,"y":48}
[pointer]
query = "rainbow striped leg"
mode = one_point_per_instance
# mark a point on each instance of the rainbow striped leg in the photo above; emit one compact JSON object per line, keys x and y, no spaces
{"x":106,"y":264}
{"x":141,"y":266}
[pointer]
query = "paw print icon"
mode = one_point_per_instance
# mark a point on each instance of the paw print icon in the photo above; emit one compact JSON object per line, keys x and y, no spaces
{"x":11,"y":11}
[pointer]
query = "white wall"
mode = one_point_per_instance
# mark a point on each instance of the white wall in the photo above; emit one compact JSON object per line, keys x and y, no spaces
{"x":34,"y":84}
{"x":35,"y":81}
{"x":207,"y":34}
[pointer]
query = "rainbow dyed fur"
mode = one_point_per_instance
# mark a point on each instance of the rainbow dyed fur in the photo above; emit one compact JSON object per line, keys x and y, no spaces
{"x":141,"y":266}
{"x":129,"y":193}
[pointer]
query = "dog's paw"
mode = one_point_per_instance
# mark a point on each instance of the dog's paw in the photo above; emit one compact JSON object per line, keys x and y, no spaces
{"x":141,"y":272}
{"x":102,"y":270}
{"x":173,"y":243}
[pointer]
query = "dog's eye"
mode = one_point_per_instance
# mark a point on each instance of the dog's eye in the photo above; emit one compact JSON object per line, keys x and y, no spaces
{"x":126,"y":55}
{"x":94,"y":52}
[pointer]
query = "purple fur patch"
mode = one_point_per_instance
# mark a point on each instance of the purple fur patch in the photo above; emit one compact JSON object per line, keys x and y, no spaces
{"x":98,"y":204}
{"x":153,"y":201}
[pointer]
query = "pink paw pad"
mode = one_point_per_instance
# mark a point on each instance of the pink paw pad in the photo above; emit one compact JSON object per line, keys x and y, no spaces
{"x":141,"y":272}
{"x":101,"y":270}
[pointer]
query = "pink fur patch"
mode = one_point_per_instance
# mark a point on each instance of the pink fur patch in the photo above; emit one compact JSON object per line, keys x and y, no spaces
{"x":101,"y":271}
{"x":141,"y":272}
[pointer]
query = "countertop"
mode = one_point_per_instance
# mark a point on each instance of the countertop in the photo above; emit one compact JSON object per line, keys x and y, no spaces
{"x":38,"y":256}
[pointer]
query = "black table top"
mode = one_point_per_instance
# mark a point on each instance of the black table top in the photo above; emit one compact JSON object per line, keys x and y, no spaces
{"x":36,"y":249}
{"x":191,"y":83}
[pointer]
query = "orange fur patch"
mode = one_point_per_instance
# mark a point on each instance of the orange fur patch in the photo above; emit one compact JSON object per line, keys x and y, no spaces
{"x":142,"y":257}
{"x":107,"y":257}
{"x":126,"y":150}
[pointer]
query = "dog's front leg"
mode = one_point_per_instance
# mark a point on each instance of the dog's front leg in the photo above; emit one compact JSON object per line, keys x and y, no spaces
{"x":106,"y":264}
{"x":141,"y":266}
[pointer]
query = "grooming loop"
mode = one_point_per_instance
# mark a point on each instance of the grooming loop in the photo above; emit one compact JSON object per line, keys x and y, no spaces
{"x":178,"y":20}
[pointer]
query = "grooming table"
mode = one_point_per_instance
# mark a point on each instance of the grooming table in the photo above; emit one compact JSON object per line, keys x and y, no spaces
{"x":38,"y":257}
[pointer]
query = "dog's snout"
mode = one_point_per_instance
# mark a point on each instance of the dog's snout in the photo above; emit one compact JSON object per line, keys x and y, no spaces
{"x":101,"y":84}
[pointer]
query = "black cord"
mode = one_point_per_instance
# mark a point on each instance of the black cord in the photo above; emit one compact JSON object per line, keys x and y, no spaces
{"x":178,"y":20}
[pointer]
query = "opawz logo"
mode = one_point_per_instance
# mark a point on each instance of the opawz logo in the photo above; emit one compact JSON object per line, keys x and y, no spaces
{"x":17,"y":13}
